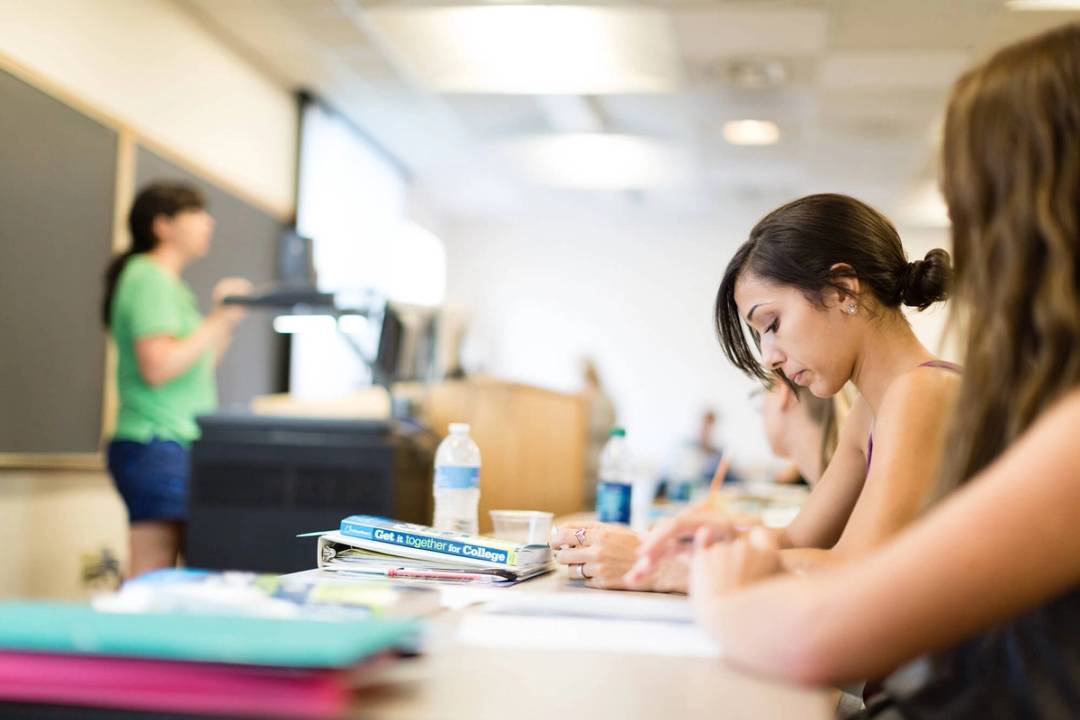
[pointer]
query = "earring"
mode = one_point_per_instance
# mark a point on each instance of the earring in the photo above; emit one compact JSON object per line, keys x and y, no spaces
{"x":851,"y":309}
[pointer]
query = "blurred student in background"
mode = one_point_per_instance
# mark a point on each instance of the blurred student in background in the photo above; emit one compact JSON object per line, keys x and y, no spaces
{"x":601,"y":418}
{"x":819,"y":285}
{"x":798,"y":426}
{"x":989,"y":580}
{"x":166,"y":354}
{"x":802,"y":428}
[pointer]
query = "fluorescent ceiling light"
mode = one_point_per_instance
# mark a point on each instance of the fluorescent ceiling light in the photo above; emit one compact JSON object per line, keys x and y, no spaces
{"x":533,"y":50}
{"x":1059,"y":5}
{"x":598,"y":161}
{"x":288,"y":324}
{"x":751,"y":132}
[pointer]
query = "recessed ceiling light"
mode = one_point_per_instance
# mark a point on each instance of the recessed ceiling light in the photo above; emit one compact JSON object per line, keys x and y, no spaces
{"x":751,"y":132}
{"x":1059,"y":5}
{"x":534,"y":50}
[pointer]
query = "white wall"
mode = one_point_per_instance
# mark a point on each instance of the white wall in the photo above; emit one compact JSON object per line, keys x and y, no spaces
{"x":152,"y":67}
{"x":637,"y":295}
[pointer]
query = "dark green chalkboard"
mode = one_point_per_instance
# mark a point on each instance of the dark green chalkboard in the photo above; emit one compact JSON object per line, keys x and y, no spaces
{"x":57,"y":183}
{"x":57,"y":179}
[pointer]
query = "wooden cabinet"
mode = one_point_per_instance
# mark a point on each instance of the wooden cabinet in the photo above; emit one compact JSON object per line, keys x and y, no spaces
{"x":532,"y":442}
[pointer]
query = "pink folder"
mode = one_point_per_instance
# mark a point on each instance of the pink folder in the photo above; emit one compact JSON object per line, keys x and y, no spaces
{"x":190,"y":687}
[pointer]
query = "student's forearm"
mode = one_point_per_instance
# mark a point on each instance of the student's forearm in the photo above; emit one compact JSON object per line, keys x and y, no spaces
{"x":1005,"y":543}
{"x":221,"y":346}
{"x":169,"y":360}
{"x":798,"y":560}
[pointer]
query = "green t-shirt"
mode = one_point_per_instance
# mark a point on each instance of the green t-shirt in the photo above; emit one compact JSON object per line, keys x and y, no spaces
{"x":150,"y":301}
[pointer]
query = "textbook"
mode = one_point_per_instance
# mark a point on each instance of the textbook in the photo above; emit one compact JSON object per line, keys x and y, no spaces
{"x":384,"y":548}
{"x":426,"y":543}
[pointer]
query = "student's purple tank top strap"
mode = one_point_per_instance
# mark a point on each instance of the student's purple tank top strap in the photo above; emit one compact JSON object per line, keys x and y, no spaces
{"x":944,"y":364}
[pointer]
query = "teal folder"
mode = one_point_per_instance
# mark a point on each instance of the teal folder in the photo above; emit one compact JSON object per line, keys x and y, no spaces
{"x":79,"y":629}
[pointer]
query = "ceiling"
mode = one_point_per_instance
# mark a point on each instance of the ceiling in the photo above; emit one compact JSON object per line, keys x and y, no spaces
{"x":856,"y":87}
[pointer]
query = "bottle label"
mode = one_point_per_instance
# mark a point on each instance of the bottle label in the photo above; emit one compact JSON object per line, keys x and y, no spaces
{"x":613,"y":502}
{"x":456,"y":477}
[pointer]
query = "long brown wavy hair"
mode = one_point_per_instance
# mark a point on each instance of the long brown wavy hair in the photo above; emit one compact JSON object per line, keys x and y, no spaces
{"x":1011,"y":162}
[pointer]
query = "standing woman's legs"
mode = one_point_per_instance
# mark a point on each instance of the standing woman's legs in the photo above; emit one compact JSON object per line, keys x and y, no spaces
{"x":152,"y":478}
{"x":153,"y":545}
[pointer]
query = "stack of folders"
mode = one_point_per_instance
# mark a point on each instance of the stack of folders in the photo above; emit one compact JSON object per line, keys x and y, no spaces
{"x":375,"y":546}
{"x":182,"y":644}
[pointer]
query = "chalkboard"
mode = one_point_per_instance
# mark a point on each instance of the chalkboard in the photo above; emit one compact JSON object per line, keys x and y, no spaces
{"x":244,"y":244}
{"x":58,"y":173}
{"x":57,"y":179}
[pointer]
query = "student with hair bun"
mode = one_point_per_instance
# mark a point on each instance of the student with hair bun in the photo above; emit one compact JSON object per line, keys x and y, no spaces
{"x":813,"y":299}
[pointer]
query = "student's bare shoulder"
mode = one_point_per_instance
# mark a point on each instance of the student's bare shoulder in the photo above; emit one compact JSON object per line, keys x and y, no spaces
{"x":922,"y":386}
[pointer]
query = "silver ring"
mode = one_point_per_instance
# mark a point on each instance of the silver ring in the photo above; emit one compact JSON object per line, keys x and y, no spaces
{"x":578,"y":572}
{"x":580,"y":535}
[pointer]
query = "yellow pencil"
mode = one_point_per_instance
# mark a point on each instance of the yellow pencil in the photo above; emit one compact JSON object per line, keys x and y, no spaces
{"x":718,"y":480}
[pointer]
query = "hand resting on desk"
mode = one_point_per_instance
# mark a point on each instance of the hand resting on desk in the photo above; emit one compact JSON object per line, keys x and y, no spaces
{"x":605,"y":553}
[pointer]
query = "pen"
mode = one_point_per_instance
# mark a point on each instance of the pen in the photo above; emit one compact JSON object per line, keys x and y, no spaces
{"x":418,"y":574}
{"x":439,"y":575}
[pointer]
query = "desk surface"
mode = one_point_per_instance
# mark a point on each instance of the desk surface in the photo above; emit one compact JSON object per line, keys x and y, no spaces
{"x":453,"y":681}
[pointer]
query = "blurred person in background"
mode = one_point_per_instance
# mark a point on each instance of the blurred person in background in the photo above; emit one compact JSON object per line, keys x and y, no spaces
{"x":166,"y":355}
{"x":601,"y":418}
{"x":802,"y":428}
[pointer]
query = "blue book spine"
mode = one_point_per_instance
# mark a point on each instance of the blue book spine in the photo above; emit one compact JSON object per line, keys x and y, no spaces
{"x":378,"y":530}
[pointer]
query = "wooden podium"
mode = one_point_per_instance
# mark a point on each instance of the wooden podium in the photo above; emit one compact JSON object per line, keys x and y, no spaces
{"x":532,"y":441}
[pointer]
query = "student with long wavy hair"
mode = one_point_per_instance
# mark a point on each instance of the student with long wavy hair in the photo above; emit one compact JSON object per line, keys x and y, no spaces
{"x":166,"y":353}
{"x":988,"y":581}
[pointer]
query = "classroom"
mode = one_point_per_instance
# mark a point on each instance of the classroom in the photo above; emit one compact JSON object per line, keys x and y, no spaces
{"x":469,"y":359}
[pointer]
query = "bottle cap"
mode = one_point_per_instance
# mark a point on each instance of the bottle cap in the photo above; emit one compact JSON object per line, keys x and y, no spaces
{"x":618,"y":432}
{"x":459,"y":427}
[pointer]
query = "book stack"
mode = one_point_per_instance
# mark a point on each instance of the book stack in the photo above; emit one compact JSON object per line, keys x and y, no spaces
{"x":375,"y":546}
{"x":175,"y":643}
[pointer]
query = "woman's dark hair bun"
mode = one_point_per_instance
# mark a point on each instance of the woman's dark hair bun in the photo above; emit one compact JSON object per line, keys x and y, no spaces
{"x":926,"y":281}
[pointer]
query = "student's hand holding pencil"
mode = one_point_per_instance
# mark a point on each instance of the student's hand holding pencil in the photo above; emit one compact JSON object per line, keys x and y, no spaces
{"x":674,"y":535}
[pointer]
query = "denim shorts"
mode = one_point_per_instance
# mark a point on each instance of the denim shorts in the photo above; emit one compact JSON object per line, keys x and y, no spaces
{"x":152,"y":478}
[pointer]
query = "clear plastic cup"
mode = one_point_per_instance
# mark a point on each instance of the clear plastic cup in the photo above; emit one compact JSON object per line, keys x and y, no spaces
{"x":531,"y":527}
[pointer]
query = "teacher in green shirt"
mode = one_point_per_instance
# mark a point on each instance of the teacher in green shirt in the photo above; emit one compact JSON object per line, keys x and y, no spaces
{"x":166,"y":354}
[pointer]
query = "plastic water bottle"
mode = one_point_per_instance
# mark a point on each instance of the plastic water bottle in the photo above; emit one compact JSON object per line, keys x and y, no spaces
{"x":457,"y":481}
{"x":615,"y":486}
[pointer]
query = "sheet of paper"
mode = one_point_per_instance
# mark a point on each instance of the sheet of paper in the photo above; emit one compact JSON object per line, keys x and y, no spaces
{"x":608,"y":605}
{"x":566,"y":633}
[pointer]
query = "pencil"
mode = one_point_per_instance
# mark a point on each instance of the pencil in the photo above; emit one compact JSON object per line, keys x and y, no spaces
{"x":718,"y":480}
